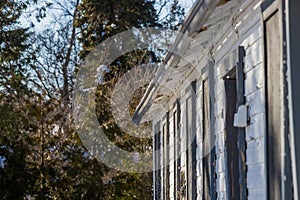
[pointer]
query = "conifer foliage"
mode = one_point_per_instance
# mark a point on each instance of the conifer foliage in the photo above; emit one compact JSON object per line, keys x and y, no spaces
{"x":41,"y":155}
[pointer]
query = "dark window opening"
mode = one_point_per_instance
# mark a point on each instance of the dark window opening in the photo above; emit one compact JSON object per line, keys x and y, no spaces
{"x":176,"y":120}
{"x":166,"y":159}
{"x":157,"y":160}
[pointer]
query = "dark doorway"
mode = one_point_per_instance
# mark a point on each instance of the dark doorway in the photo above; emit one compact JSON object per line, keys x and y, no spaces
{"x":231,"y":138}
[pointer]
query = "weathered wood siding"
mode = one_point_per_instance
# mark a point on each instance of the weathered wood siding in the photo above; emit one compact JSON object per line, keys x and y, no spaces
{"x":247,"y":32}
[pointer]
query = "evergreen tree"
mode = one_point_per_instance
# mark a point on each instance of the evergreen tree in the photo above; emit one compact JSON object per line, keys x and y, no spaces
{"x":98,"y":20}
{"x":13,"y":48}
{"x":101,"y":19}
{"x":41,"y":156}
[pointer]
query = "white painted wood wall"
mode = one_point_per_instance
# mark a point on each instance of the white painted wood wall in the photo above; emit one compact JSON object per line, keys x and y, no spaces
{"x":250,"y":35}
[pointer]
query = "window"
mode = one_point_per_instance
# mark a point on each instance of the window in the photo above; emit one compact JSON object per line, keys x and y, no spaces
{"x":177,"y":160}
{"x":277,"y":133}
{"x":208,"y":136}
{"x":166,"y":160}
{"x":191,"y":142}
{"x":206,"y":142}
{"x":157,"y":161}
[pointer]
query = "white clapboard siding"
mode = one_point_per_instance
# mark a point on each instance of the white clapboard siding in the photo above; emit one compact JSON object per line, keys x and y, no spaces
{"x":255,"y":98}
{"x":238,"y":29}
{"x":227,"y":29}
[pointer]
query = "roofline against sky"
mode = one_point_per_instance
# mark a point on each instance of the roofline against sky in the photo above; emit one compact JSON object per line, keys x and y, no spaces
{"x":191,"y":25}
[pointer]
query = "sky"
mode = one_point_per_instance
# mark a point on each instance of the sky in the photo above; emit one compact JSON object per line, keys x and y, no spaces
{"x":187,"y":4}
{"x":26,"y":19}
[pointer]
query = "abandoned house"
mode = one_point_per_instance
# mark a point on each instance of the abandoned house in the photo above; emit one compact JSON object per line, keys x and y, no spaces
{"x":228,"y":130}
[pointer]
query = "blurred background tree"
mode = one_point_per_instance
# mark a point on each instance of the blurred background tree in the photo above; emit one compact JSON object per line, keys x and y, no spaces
{"x":42,"y":43}
{"x":97,"y":21}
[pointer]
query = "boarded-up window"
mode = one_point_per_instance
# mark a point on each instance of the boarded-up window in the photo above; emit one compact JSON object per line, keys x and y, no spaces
{"x":206,"y":141}
{"x":208,"y":135}
{"x":188,"y":148}
{"x":274,"y":117}
{"x":166,"y":159}
{"x":157,"y":160}
{"x":191,"y":142}
{"x":176,"y":116}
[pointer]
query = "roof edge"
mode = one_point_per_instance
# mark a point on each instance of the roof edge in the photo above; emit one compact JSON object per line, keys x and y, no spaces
{"x":193,"y":23}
